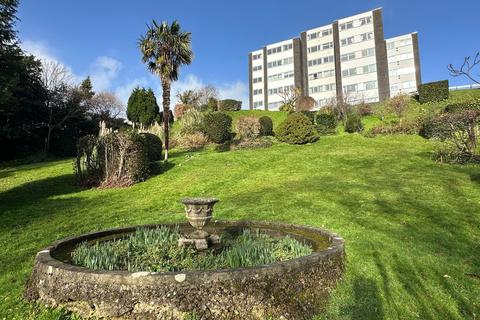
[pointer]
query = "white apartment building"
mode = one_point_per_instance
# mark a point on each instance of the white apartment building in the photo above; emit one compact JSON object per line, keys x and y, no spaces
{"x":348,"y":60}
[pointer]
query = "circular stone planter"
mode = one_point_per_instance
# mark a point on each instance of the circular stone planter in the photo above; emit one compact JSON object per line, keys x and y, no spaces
{"x":293,"y":289}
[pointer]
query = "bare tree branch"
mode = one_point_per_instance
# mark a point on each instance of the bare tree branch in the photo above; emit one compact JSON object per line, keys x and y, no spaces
{"x":466,"y":68}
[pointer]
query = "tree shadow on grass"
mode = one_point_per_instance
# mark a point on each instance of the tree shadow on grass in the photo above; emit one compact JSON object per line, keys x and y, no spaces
{"x":367,"y":303}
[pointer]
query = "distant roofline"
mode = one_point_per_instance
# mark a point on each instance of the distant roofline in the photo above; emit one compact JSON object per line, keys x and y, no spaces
{"x":378,"y":8}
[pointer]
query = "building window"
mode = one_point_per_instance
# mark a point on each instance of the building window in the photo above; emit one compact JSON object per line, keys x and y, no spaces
{"x":319,"y":34}
{"x":350,"y":88}
{"x":287,"y":46}
{"x":366,"y":36}
{"x":327,"y":45}
{"x":370,"y":68}
{"x":347,"y":41}
{"x":347,"y":56}
{"x":257,"y":91}
{"x":370,"y":85}
{"x":366,"y":20}
{"x":257,"y":104}
{"x":256,"y":80}
{"x":257,"y":68}
{"x":319,"y":61}
{"x":368,"y":52}
{"x":346,"y":25}
{"x":349,"y":72}
{"x":326,"y":32}
{"x":256,"y":56}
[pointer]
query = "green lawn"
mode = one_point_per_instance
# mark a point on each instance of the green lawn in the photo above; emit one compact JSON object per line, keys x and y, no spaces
{"x":412,"y":226}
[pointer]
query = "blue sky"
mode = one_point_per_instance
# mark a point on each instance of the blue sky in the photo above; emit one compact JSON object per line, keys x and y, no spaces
{"x":98,"y":38}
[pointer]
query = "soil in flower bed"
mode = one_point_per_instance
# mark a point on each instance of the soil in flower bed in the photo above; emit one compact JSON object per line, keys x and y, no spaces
{"x":156,"y":250}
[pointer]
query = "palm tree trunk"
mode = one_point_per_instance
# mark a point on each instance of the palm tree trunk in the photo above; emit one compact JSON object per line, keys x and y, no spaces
{"x":166,"y":113}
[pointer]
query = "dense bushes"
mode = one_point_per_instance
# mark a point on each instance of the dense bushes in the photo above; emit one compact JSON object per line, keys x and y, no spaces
{"x":459,"y":130}
{"x":463,"y":106}
{"x":248,"y":128}
{"x":218,"y":126}
{"x":193,"y":141}
{"x":114,"y":160}
{"x":297,"y":128}
{"x":229,"y":105}
{"x":266,"y":125}
{"x":154,"y":146}
{"x":353,"y":123}
{"x":180,"y":109}
{"x":326,"y":123}
{"x":192,"y":121}
{"x":433,"y":91}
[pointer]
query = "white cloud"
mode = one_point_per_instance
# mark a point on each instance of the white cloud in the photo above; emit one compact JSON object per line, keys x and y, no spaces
{"x":123,"y":92}
{"x":237,"y":91}
{"x":42,"y":51}
{"x":103,"y":71}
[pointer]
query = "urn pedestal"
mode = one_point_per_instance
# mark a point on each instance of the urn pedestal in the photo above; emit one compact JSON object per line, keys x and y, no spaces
{"x":199,"y":212}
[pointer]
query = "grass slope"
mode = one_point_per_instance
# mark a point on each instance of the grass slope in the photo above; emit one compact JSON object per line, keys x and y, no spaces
{"x":411,"y":225}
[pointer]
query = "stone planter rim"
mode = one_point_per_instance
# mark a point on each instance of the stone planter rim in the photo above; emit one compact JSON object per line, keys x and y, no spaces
{"x":199,"y":200}
{"x":336,"y":247}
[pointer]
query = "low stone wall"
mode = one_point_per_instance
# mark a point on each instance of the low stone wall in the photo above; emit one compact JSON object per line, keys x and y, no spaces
{"x":294,"y":289}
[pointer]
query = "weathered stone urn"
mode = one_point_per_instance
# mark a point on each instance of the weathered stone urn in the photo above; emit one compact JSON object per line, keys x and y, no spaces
{"x":199,"y":212}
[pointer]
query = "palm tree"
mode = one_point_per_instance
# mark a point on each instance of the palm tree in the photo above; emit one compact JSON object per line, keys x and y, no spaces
{"x":164,"y":49}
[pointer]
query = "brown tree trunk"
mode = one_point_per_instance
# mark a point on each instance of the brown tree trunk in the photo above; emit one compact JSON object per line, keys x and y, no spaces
{"x":166,"y":108}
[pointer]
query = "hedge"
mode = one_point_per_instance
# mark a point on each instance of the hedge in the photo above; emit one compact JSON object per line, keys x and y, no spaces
{"x":218,"y":126}
{"x":229,"y":105}
{"x":433,"y":91}
{"x":297,"y":129}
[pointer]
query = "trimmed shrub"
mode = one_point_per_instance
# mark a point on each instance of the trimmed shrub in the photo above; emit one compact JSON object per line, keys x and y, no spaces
{"x":353,"y":123}
{"x":193,"y":141}
{"x":433,"y":91}
{"x":326,"y":123}
{"x":304,"y":103}
{"x":218,"y":126}
{"x":124,"y":159}
{"x":180,"y":109}
{"x":154,"y":146}
{"x":463,"y":106}
{"x":229,"y":105}
{"x":114,"y":160}
{"x":460,"y":129}
{"x":248,"y":128}
{"x":266,"y":125}
{"x":192,"y":121}
{"x":297,"y":129}
{"x":310,"y":115}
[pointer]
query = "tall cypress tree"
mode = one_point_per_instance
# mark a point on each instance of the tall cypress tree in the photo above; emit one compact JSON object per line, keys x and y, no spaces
{"x":142,"y":106}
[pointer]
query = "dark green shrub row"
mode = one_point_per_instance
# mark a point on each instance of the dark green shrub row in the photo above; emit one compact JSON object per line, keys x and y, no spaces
{"x":433,"y":91}
{"x":297,"y":128}
{"x":218,"y":126}
{"x":463,"y":106}
{"x":229,"y":105}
